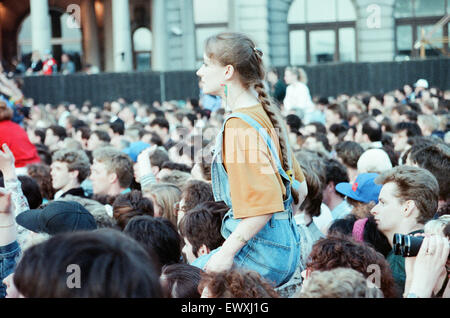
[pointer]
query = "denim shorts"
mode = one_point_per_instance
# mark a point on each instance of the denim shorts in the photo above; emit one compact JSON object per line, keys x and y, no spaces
{"x":8,"y":258}
{"x":274,"y":252}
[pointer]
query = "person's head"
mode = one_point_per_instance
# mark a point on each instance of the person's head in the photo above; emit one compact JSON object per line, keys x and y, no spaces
{"x":338,"y":283}
{"x":111,"y":171}
{"x":428,"y":124}
{"x":291,"y":75}
{"x":336,"y":133}
{"x":335,"y":173}
{"x":314,"y":171}
{"x":337,"y":251}
{"x":368,"y":131}
{"x":128,"y":114}
{"x":6,"y":113}
{"x":348,"y":153}
{"x":356,"y":106}
{"x":160,"y":126}
{"x":232,"y":59}
{"x":157,"y":158}
{"x":374,"y":161}
{"x":181,"y":280}
{"x":129,"y":205}
{"x":98,"y":139}
{"x":437,"y":226}
{"x":65,"y":58}
{"x":158,"y":236}
{"x":69,"y":168}
{"x":116,"y":128}
{"x":362,"y":190}
{"x":54,"y":134}
{"x":334,"y":114}
{"x":41,"y":174}
{"x":164,"y":197}
{"x":176,"y":177}
{"x":98,"y":264}
{"x":294,"y":122}
{"x":57,"y":217}
{"x":362,"y":230}
{"x":313,"y":128}
{"x":436,"y":159}
{"x":403,"y":131}
{"x":200,"y":229}
{"x":317,"y":142}
{"x":407,"y":200}
{"x":235,"y":283}
{"x":193,"y":193}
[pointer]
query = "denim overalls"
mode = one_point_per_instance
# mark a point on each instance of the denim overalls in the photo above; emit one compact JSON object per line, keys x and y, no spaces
{"x":275,"y":251}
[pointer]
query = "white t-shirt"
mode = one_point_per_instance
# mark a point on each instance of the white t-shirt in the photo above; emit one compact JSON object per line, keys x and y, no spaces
{"x":298,"y":96}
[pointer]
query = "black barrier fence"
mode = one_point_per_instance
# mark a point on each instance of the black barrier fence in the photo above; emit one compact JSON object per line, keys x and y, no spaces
{"x":324,"y":80}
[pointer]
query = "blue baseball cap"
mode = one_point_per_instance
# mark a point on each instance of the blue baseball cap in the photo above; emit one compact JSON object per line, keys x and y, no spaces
{"x":364,"y":189}
{"x":135,"y":149}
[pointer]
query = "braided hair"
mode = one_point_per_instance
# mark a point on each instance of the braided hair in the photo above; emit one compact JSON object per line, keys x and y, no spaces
{"x":238,"y":50}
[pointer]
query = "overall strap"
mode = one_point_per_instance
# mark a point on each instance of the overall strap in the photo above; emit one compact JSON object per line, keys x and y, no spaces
{"x":268,"y":140}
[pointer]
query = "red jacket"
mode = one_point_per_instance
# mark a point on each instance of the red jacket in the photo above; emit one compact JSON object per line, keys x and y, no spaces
{"x":49,"y":66}
{"x":17,"y":140}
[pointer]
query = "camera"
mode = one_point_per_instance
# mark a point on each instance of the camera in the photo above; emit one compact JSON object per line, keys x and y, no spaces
{"x":407,"y":245}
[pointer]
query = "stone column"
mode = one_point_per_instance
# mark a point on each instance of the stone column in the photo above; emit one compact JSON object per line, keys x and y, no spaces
{"x":108,"y":36}
{"x":159,"y":32}
{"x":91,"y":54}
{"x":188,"y":27}
{"x":375,"y":29}
{"x":40,"y":26}
{"x":123,"y":60}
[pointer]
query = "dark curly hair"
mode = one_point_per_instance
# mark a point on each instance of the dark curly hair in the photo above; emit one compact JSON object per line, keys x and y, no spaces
{"x":341,"y":251}
{"x":131,"y":204}
{"x":236,"y":283}
{"x":41,"y":174}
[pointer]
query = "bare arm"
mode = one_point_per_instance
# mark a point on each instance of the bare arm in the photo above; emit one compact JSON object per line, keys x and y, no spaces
{"x":245,"y":231}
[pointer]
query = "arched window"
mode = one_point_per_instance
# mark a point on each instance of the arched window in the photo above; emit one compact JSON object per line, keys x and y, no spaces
{"x":416,"y":19}
{"x":210,"y":17}
{"x":142,"y":45}
{"x":322,"y":31}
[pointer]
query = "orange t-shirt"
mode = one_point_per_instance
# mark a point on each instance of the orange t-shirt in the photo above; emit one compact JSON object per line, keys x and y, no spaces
{"x":256,"y":188}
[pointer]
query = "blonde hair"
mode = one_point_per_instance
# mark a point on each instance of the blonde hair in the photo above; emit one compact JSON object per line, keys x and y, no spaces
{"x":437,"y":226}
{"x":338,"y":283}
{"x":165,"y":195}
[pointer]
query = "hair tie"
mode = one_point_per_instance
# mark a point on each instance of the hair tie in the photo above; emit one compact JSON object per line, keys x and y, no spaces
{"x":258,"y":51}
{"x":358,"y":229}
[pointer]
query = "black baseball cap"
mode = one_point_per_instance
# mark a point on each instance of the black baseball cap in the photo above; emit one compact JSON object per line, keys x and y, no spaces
{"x":57,"y":217}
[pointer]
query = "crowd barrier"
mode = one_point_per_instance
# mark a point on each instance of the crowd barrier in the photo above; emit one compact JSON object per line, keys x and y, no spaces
{"x":324,"y":80}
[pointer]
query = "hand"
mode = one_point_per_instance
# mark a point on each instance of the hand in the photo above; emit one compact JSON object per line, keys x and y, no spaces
{"x":7,"y":162}
{"x":144,"y":163}
{"x":219,"y":262}
{"x":429,"y":265}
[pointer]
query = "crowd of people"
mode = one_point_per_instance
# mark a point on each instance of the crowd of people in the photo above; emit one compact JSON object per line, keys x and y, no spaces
{"x":276,"y":193}
{"x":45,"y":64}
